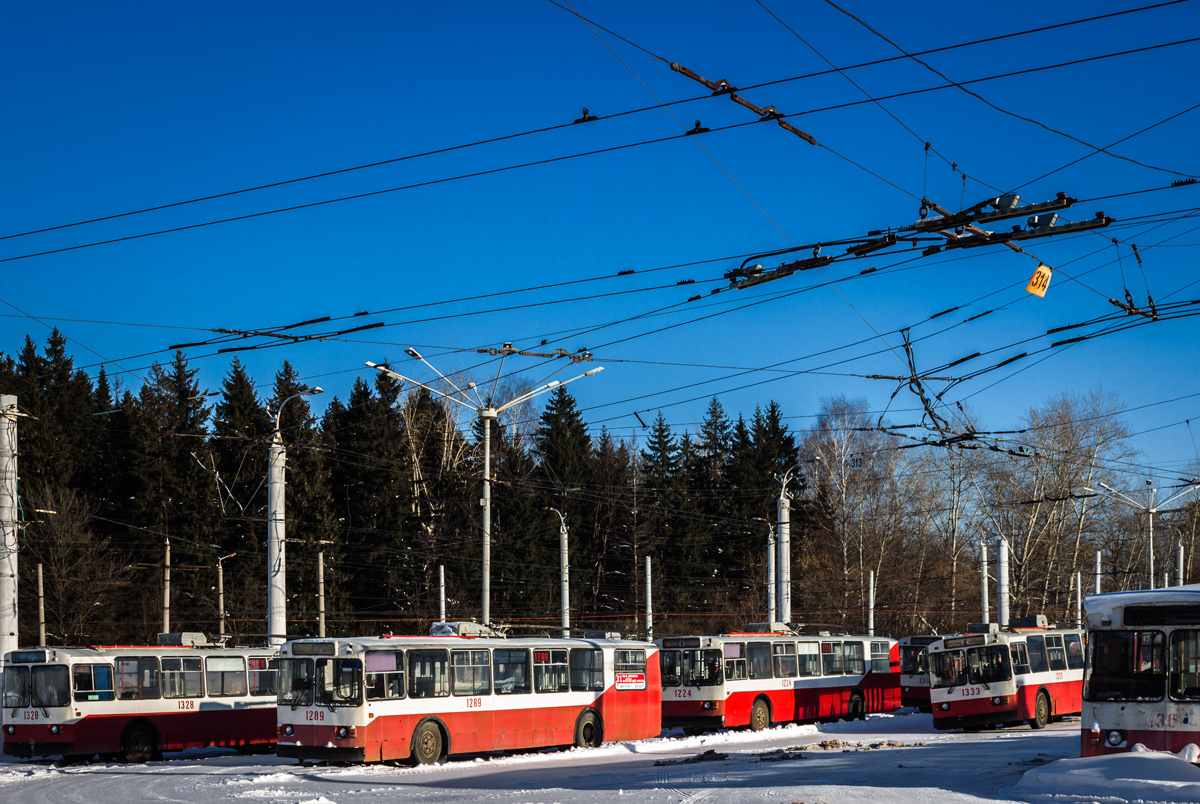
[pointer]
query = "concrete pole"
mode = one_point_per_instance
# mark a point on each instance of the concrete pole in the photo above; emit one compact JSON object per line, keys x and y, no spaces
{"x":321,"y":594}
{"x":1179,"y":566}
{"x":1150,"y":513}
{"x":166,"y":620}
{"x":8,"y":524}
{"x":41,"y":610}
{"x":1079,"y":600}
{"x":441,"y":593}
{"x":1097,"y":571}
{"x":1002,"y":584}
{"x":871,"y":604}
{"x":983,"y":581}
{"x":276,"y":549}
{"x":486,"y":415}
{"x":783,"y":573}
{"x":649,"y":608}
{"x":564,"y":564}
{"x":771,"y":588}
{"x":221,"y":597}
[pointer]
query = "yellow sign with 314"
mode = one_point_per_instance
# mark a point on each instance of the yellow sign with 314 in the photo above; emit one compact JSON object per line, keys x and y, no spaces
{"x":1040,"y":281}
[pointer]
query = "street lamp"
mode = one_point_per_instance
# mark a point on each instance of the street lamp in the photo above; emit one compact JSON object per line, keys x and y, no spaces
{"x":564,"y":573}
{"x":276,"y":571}
{"x":1149,"y":509}
{"x":487,"y":411}
{"x":770,"y":566}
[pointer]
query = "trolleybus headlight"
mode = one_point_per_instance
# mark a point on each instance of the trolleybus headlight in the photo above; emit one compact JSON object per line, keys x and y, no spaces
{"x":1115,"y":738}
{"x":10,"y":729}
{"x":55,"y":729}
{"x":343,"y":732}
{"x":946,"y":706}
{"x":996,"y":701}
{"x":908,"y":689}
{"x":288,"y":730}
{"x":708,"y":704}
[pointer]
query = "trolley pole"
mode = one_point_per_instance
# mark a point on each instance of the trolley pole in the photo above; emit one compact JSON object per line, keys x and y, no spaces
{"x":1097,"y":572}
{"x":871,"y":604}
{"x":1179,"y":566}
{"x":1079,"y":600}
{"x":166,"y":608}
{"x":486,"y":415}
{"x":441,"y":593}
{"x":221,"y":592}
{"x":8,"y":524}
{"x":321,"y":594}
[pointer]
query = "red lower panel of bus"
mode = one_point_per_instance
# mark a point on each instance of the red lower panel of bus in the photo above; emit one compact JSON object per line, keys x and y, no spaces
{"x":624,"y":715}
{"x":1066,"y":698}
{"x":102,"y":734}
{"x":1172,"y":740}
{"x":879,"y":692}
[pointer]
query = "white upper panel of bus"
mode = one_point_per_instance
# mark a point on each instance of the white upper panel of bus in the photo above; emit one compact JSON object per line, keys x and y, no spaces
{"x":1099,"y":606}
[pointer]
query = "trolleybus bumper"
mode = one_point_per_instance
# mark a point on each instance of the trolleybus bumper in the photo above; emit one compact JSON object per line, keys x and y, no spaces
{"x":978,"y":721}
{"x":27,"y":750}
{"x":321,"y":752}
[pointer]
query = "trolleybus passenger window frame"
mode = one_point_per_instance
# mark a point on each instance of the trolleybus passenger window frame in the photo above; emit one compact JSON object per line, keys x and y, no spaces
{"x":510,"y":671}
{"x":587,"y":669}
{"x":263,"y":672}
{"x":225,"y":676}
{"x":1183,"y":681}
{"x":1074,"y":647}
{"x":182,"y":676}
{"x":881,"y":657}
{"x":92,"y":682}
{"x":670,"y":667}
{"x":854,"y":658}
{"x":831,"y":659}
{"x":136,"y":678}
{"x":758,"y":659}
{"x":808,"y":658}
{"x":470,"y":672}
{"x":1020,"y":658}
{"x":1125,"y":666}
{"x":428,"y":673}
{"x":1038,"y":661}
{"x":735,"y":661}
{"x":550,"y":671}
{"x":384,"y":675}
{"x":1056,"y":652}
{"x":783,"y":658}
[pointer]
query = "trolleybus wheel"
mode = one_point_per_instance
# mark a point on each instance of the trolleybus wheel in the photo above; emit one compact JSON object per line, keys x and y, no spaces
{"x":760,"y":715}
{"x":1041,"y":712}
{"x":427,"y":743}
{"x":858,"y":708}
{"x":588,"y":731}
{"x":138,"y":744}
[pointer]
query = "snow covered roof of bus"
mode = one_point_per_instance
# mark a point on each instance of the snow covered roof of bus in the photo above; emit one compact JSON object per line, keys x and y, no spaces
{"x":1099,"y":605}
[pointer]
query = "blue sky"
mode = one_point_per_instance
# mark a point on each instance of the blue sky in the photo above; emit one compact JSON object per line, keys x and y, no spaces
{"x":112,"y":108}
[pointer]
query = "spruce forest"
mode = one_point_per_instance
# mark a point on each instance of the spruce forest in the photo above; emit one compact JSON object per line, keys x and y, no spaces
{"x":384,"y":488}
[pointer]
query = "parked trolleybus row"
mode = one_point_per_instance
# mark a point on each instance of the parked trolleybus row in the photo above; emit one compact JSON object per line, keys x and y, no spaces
{"x":465,"y":690}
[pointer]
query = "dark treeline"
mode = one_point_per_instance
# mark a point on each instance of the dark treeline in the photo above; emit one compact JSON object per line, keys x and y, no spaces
{"x":386,"y":487}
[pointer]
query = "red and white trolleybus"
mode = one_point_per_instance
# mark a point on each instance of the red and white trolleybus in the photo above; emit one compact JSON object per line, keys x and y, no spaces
{"x":372,"y":699}
{"x":1142,"y":679}
{"x":136,"y":702}
{"x":758,"y":678}
{"x":914,"y":671}
{"x":992,"y":676}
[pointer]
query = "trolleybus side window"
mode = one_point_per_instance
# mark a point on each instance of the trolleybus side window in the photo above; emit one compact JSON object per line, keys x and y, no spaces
{"x":339,"y":682}
{"x":881,"y":657}
{"x":587,"y":669}
{"x":809,"y":658}
{"x":427,"y":676}
{"x":1124,"y":666}
{"x":701,"y":667}
{"x":629,"y":661}
{"x":1074,"y":651}
{"x":988,"y":664}
{"x":182,"y":677}
{"x":856,"y":663}
{"x":1184,"y":681}
{"x":1054,"y":649}
{"x":472,"y":672}
{"x":831,"y":655}
{"x":758,"y":655}
{"x":511,"y":671}
{"x":735,"y":660}
{"x":1037,"y":654}
{"x":264,"y":674}
{"x":1020,"y":657}
{"x":550,"y":673}
{"x":137,"y":678}
{"x":93,"y":682}
{"x":225,"y":676}
{"x":785,"y":659}
{"x":385,"y":674}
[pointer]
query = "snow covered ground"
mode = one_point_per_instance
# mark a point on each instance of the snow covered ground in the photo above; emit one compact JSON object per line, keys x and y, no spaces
{"x":830,"y":763}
